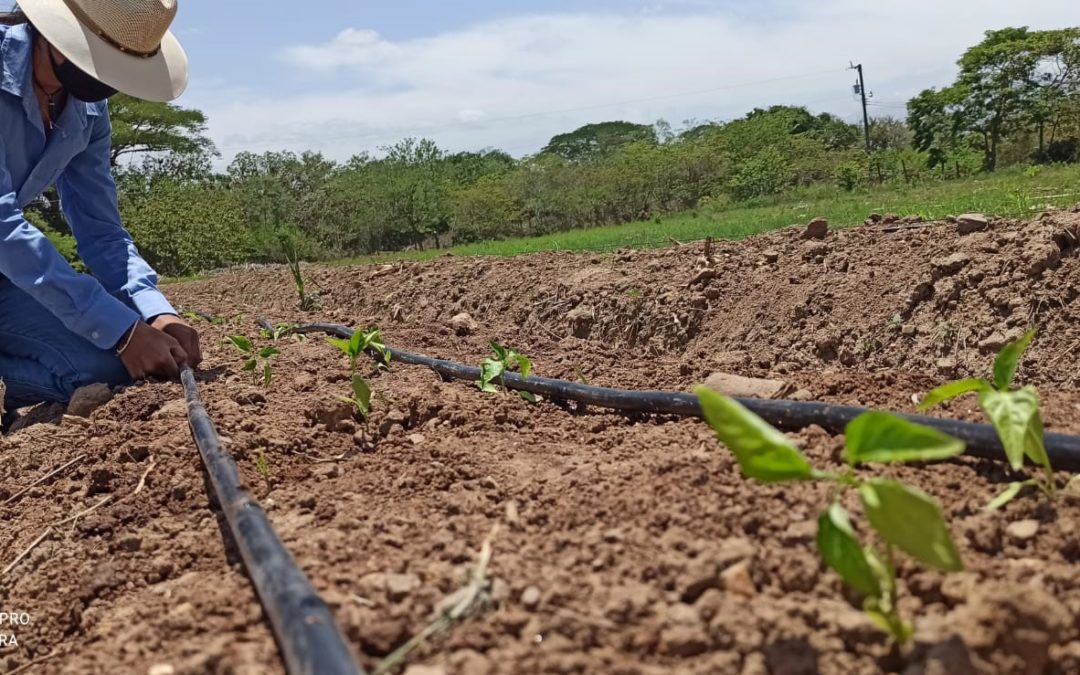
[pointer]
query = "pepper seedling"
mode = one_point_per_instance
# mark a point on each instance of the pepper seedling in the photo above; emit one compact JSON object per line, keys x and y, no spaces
{"x":361,"y":397}
{"x":361,"y":342}
{"x":903,"y":517}
{"x":255,"y":358}
{"x":493,"y":369}
{"x":1014,"y":414}
{"x":262,"y":465}
{"x":281,"y":330}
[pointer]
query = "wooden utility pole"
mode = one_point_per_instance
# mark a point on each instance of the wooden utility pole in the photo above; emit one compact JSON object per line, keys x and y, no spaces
{"x":861,"y":87}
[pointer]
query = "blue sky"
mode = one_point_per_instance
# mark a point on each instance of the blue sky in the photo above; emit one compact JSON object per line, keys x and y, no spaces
{"x":344,"y":77}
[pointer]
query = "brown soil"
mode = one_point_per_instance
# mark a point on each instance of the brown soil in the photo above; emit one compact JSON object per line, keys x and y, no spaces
{"x":627,"y":544}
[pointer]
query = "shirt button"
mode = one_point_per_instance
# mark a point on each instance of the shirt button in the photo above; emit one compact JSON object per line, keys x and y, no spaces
{"x":96,"y":335}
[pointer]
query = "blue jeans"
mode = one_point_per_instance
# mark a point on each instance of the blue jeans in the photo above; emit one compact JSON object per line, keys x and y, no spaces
{"x":40,"y":359}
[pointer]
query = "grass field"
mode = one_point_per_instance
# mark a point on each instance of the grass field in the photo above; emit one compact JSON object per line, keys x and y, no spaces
{"x":1013,"y":192}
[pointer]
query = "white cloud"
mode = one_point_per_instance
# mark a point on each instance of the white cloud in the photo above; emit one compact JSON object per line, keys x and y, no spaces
{"x":513,"y":83}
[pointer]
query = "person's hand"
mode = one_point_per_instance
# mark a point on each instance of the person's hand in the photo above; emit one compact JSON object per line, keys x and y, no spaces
{"x":182,"y":332}
{"x":151,"y":353}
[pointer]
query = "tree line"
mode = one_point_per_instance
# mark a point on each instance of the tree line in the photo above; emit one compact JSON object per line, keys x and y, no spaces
{"x":1016,"y":100}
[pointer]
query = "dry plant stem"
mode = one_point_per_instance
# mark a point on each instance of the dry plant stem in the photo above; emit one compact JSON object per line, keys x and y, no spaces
{"x":13,"y":498}
{"x":51,"y":530}
{"x":30,"y":664}
{"x":469,"y":597}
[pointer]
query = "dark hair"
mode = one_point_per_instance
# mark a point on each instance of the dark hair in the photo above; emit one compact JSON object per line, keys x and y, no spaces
{"x":15,"y":18}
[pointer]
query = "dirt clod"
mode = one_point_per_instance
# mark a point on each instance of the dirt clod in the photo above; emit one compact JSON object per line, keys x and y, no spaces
{"x":463,"y":324}
{"x":1022,"y":530}
{"x":753,"y":387}
{"x":817,"y":229}
{"x":971,"y":222}
{"x":87,"y":399}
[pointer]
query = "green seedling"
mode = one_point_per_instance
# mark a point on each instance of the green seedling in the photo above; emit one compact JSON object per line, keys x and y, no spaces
{"x":307,"y":303}
{"x":1014,"y":414}
{"x":903,"y":517}
{"x":281,"y":330}
{"x":361,"y":397}
{"x":493,"y":369}
{"x":361,"y":343}
{"x":255,"y":358}
{"x":262,"y":465}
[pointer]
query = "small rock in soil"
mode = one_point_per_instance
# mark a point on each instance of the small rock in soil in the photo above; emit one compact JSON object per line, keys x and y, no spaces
{"x":417,"y":439}
{"x":971,"y":222}
{"x":401,"y":586}
{"x":993,"y":343}
{"x":803,"y":395}
{"x":753,"y":387}
{"x":817,"y":229}
{"x":1022,"y":530}
{"x":417,"y":669}
{"x":737,"y":579}
{"x":172,"y":410}
{"x":161,"y":669}
{"x":771,"y":255}
{"x":87,"y":399}
{"x":530,"y":598}
{"x":463,"y":324}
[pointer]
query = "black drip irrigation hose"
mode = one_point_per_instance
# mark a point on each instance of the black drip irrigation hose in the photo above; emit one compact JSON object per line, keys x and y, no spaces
{"x":981,"y":440}
{"x":309,"y":639}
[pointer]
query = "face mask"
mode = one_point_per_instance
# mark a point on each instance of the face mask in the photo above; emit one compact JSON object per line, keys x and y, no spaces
{"x":78,"y":84}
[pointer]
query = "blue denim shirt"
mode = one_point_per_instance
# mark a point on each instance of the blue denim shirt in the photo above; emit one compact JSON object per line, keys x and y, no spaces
{"x":76,"y":157}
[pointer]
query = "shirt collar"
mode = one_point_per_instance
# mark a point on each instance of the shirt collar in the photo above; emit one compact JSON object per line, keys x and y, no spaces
{"x":15,"y":52}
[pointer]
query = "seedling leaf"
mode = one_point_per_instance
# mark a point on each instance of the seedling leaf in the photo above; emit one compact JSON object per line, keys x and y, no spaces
{"x":361,"y":395}
{"x":948,"y":392}
{"x":268,"y":375}
{"x":840,"y":549}
{"x":763,"y":453}
{"x":268,"y":352}
{"x":524,"y":365}
{"x":250,"y":365}
{"x":882,"y":437}
{"x":1009,"y":358}
{"x":528,"y":396}
{"x":240,"y":342}
{"x":910,"y":520}
{"x":1007,"y":495}
{"x":356,"y":343}
{"x":491,"y":370}
{"x":343,"y":345}
{"x":1015,"y":416}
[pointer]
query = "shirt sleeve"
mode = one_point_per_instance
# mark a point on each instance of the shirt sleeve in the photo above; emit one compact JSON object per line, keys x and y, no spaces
{"x":89,"y":200}
{"x":31,"y":262}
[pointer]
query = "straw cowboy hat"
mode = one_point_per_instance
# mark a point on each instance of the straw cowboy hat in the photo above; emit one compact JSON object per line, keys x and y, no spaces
{"x":125,"y":44}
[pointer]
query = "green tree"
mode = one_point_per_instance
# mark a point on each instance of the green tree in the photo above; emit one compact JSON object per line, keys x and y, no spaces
{"x":149,"y":127}
{"x":596,"y":141}
{"x":1010,"y":82}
